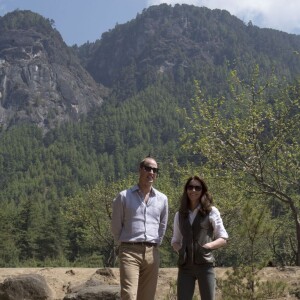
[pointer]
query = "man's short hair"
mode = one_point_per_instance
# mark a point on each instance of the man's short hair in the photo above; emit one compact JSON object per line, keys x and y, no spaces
{"x":142,"y":163}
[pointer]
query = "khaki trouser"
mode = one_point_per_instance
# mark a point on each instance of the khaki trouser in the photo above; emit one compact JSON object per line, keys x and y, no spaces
{"x":139,"y":266}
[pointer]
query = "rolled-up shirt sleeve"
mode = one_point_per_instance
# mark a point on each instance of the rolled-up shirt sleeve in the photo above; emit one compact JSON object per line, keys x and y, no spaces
{"x":217,"y":223}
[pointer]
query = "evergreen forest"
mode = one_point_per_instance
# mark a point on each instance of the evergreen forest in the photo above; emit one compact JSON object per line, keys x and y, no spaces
{"x":227,"y":109}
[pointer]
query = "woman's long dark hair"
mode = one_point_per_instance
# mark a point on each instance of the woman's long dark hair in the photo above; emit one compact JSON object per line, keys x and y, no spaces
{"x":206,"y":200}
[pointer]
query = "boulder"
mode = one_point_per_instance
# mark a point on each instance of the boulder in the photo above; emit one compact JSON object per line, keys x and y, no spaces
{"x":98,"y":292}
{"x":26,"y":287}
{"x":102,"y":285}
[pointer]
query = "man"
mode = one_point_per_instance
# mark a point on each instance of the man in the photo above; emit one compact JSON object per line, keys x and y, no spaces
{"x":139,"y":221}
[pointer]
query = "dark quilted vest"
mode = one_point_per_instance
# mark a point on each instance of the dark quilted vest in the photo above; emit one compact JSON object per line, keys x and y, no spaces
{"x":194,"y":236}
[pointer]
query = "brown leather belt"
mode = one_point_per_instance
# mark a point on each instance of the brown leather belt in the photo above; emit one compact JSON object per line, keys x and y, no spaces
{"x":148,"y":244}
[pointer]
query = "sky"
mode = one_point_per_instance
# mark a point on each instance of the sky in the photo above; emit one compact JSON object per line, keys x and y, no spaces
{"x":80,"y":21}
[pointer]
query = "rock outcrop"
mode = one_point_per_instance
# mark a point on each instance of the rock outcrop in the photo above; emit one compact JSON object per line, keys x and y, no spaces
{"x":100,"y":291}
{"x":41,"y":80}
{"x":101,"y":285}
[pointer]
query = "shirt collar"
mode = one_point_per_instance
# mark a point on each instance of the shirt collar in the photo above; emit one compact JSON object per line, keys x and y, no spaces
{"x":136,"y":188}
{"x":196,"y":209}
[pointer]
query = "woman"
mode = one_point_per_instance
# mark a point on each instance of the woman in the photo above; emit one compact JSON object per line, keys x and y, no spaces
{"x":198,"y":229}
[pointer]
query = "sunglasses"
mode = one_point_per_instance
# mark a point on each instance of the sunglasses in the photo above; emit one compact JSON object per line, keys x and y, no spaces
{"x":197,"y":188}
{"x":149,"y":169}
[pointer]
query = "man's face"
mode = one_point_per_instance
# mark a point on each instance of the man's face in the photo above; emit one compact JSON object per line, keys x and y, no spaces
{"x":148,"y":172}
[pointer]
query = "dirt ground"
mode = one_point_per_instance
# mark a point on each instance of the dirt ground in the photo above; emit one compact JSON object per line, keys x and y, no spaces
{"x":59,"y":279}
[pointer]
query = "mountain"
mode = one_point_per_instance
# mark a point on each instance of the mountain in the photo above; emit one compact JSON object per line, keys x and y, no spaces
{"x":184,"y":42}
{"x":82,"y":117}
{"x":143,"y":69}
{"x":41,"y":80}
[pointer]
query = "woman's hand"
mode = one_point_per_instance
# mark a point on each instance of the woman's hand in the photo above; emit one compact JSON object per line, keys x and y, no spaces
{"x":220,"y":242}
{"x":207,"y":246}
{"x":176,"y":247}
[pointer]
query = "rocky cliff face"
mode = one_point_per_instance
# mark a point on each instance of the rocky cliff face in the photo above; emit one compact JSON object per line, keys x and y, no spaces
{"x":41,"y":81}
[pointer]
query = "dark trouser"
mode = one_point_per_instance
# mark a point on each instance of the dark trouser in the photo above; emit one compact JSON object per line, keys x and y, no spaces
{"x":187,"y":277}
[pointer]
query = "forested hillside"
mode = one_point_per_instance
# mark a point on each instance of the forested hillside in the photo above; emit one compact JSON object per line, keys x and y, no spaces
{"x":56,"y":186}
{"x":183,"y":43}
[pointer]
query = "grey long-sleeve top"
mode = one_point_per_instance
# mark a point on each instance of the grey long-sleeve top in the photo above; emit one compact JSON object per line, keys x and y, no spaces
{"x":133,"y":220}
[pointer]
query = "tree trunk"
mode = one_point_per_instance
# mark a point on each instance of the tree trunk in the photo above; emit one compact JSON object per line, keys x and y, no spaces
{"x":297,"y":223}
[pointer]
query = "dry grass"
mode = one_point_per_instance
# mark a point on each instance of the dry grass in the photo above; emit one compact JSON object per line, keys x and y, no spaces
{"x":59,"y":279}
